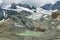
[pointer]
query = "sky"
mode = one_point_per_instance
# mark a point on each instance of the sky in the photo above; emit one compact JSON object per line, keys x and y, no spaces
{"x":31,"y":2}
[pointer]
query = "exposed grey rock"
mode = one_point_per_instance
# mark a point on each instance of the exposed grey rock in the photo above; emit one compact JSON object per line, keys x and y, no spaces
{"x":9,"y":31}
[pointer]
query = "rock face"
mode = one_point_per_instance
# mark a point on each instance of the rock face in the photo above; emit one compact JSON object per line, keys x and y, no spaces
{"x":13,"y":6}
{"x":56,"y":6}
{"x":55,"y":14}
{"x":47,"y":6}
{"x":52,"y":6}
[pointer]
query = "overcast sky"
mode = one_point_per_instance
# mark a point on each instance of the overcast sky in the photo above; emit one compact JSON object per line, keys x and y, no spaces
{"x":31,"y":2}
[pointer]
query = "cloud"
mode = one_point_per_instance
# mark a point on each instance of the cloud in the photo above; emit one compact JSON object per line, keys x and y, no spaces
{"x":39,"y":2}
{"x":0,"y":1}
{"x":11,"y":1}
{"x":48,"y":1}
{"x":31,"y":2}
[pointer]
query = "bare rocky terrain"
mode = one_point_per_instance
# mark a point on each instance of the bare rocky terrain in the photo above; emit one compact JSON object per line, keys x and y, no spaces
{"x":12,"y":27}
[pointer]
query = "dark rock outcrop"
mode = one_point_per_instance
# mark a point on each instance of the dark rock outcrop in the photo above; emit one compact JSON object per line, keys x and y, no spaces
{"x":56,"y":6}
{"x":47,"y":6}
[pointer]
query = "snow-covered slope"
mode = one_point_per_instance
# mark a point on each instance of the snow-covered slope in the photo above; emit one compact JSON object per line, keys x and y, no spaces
{"x":36,"y":13}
